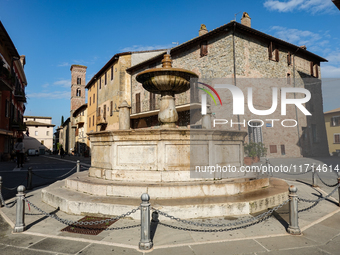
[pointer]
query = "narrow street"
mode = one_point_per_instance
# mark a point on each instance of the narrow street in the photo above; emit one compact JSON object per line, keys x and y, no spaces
{"x":46,"y":170}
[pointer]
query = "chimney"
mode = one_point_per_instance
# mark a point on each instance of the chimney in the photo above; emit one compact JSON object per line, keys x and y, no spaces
{"x":246,"y":20}
{"x":23,"y":60}
{"x":203,"y":30}
{"x":304,"y":47}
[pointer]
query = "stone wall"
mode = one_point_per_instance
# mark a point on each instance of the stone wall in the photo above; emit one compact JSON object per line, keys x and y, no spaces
{"x":252,"y":61}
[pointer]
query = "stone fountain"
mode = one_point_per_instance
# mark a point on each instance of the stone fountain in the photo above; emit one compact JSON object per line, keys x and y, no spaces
{"x":127,"y":163}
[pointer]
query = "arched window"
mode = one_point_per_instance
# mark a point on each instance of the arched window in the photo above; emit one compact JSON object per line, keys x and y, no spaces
{"x":78,"y":93}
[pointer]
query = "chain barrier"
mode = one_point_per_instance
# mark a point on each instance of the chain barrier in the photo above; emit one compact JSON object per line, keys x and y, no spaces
{"x":320,"y":199}
{"x":14,"y":188}
{"x":4,"y":203}
{"x":76,"y":223}
{"x":215,"y":230}
{"x":324,"y":182}
{"x":265,"y":214}
{"x":58,"y":177}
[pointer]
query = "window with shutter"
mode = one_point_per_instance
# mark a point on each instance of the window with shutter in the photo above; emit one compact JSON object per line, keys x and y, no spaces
{"x":336,"y":138}
{"x":152,"y":101}
{"x":204,"y":48}
{"x":289,"y":58}
{"x":316,"y":75}
{"x":105,"y":78}
{"x":194,"y":92}
{"x":277,"y":55}
{"x":270,"y":51}
{"x":335,"y":121}
{"x":283,"y":149}
{"x":111,"y":105}
{"x":104,"y":114}
{"x":311,"y":68}
{"x":272,"y":148}
{"x":273,"y":52}
{"x":138,"y":103}
{"x":111,"y":73}
{"x":98,"y":111}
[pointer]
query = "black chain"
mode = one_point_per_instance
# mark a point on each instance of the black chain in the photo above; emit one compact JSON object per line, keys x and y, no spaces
{"x":320,"y":199}
{"x":14,"y":188}
{"x":235,"y":223}
{"x":58,"y":177}
{"x":216,"y":230}
{"x":4,"y":203}
{"x":77,"y":223}
{"x":324,"y":182}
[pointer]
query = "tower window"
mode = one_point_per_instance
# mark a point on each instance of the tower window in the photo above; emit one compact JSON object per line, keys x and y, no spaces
{"x":111,"y":73}
{"x":105,"y":78}
{"x":78,"y":80}
{"x":78,"y":93}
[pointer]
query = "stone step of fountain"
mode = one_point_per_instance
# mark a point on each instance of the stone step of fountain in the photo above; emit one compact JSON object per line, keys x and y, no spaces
{"x":74,"y":202}
{"x":101,"y":187}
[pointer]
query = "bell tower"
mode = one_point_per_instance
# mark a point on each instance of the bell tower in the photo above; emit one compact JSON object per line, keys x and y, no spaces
{"x":78,"y":76}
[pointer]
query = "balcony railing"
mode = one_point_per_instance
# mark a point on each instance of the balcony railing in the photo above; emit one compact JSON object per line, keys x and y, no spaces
{"x":20,"y":95}
{"x":101,"y":120}
{"x":80,"y":120}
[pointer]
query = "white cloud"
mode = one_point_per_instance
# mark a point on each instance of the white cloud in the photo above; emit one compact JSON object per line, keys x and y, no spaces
{"x":334,"y":57}
{"x":330,"y":71}
{"x":144,"y":48}
{"x":45,"y":85}
{"x":298,"y":37}
{"x":313,"y":6}
{"x":64,"y":64}
{"x":63,"y":83}
{"x":51,"y":95}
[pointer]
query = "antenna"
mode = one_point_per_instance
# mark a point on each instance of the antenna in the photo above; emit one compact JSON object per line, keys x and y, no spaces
{"x":236,"y":14}
{"x":176,"y":43}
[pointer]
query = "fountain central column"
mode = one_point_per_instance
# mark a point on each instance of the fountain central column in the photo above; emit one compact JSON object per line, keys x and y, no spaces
{"x":166,"y":81}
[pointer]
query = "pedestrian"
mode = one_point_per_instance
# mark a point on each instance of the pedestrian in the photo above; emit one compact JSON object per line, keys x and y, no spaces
{"x":62,"y":152}
{"x":20,"y":150}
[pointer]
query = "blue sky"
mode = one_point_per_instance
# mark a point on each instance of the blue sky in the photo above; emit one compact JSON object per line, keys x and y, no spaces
{"x":56,"y":34}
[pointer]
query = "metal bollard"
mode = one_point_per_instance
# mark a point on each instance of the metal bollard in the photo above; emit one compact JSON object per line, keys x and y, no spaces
{"x":1,"y":205}
{"x":338,"y":189}
{"x":314,"y":177}
{"x":145,"y":240}
{"x":29,"y":178}
{"x":293,"y":212}
{"x":78,"y":166}
{"x":20,"y":213}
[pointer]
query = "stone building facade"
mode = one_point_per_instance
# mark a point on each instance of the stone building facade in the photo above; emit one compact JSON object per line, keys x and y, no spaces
{"x":81,"y":139}
{"x":238,"y":52}
{"x":12,"y":94}
{"x":39,"y":134}
{"x":109,"y":88}
{"x":332,"y":122}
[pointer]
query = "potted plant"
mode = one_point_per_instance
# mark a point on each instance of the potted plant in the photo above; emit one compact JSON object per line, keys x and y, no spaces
{"x":254,"y":151}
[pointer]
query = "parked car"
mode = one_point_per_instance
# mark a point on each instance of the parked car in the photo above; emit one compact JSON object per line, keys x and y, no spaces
{"x":32,"y":152}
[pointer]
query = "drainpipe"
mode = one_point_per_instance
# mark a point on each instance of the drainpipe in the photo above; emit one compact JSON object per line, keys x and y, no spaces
{"x":296,"y":112}
{"x":234,"y":59}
